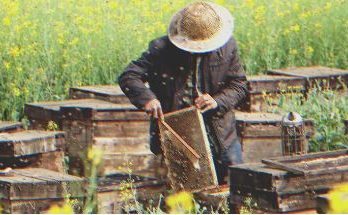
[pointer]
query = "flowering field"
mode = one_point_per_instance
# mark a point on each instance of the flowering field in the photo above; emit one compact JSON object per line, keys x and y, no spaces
{"x":49,"y":45}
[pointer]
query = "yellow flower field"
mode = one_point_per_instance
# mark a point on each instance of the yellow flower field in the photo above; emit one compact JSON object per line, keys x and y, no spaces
{"x":49,"y":45}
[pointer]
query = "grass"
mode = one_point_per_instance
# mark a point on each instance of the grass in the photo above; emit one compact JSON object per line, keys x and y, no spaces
{"x":48,"y":46}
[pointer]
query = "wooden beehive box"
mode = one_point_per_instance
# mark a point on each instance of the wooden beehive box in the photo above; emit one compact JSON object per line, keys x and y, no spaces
{"x":277,"y":190}
{"x":111,"y":93}
{"x":260,"y":135}
{"x":182,"y":172}
{"x":41,"y":113}
{"x":31,"y":148}
{"x":121,"y":131}
{"x":316,"y":76}
{"x":9,"y":127}
{"x":116,"y":193}
{"x":35,"y":190}
{"x":265,"y":90}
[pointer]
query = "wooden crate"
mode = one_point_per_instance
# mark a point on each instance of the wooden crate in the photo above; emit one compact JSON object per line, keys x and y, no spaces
{"x":30,"y":142}
{"x":41,"y":113}
{"x":38,"y":188}
{"x":260,"y":134}
{"x":185,"y":172}
{"x":115,"y":193}
{"x":277,"y":190}
{"x":271,"y":87}
{"x":10,"y":127}
{"x":122,"y":131}
{"x":316,"y":76}
{"x":111,"y":93}
{"x":51,"y":160}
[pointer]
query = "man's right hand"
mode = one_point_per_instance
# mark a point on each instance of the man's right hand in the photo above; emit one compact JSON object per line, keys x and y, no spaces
{"x":153,"y":108}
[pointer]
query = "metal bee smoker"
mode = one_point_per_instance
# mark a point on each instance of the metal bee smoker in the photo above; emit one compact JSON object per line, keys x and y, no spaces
{"x":293,"y":135}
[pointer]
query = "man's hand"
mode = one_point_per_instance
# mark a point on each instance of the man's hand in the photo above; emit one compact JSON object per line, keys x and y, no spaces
{"x":153,"y":108}
{"x":205,"y":102}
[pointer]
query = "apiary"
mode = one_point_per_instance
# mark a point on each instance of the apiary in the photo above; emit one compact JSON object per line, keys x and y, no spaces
{"x":111,"y":93}
{"x":116,"y":193}
{"x":187,"y":151}
{"x":35,"y":190}
{"x":266,"y":90}
{"x":120,"y":131}
{"x":9,"y":127}
{"x":323,"y":77}
{"x":291,"y":183}
{"x":261,"y":134}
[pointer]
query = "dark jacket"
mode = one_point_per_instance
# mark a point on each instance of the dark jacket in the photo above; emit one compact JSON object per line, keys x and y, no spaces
{"x":165,"y":67}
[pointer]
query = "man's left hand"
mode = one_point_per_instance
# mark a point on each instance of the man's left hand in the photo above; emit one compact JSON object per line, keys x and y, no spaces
{"x":205,"y":102}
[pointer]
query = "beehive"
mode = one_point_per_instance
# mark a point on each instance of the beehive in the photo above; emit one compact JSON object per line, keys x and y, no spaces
{"x":9,"y":127}
{"x":182,"y":171}
{"x":316,"y":76}
{"x":109,"y":93}
{"x":260,"y":134}
{"x":266,"y":90}
{"x":277,"y":190}
{"x":31,"y":148}
{"x":41,"y":113}
{"x":35,"y":190}
{"x":116,"y":193}
{"x":121,"y":131}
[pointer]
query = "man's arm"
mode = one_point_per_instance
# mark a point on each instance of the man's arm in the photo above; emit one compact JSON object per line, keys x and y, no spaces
{"x":235,"y":90}
{"x":132,"y":81}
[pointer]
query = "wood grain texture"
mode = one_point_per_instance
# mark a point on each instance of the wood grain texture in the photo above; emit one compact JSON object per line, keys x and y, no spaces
{"x":30,"y":142}
{"x":109,"y":93}
{"x":37,"y":183}
{"x":9,"y":127}
{"x":188,"y":123}
{"x":214,"y":199}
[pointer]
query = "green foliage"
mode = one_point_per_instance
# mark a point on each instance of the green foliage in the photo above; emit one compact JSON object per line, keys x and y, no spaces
{"x":48,"y":46}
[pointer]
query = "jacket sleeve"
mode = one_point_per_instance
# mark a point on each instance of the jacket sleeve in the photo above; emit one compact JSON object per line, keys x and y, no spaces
{"x":235,"y":89}
{"x":132,"y":80}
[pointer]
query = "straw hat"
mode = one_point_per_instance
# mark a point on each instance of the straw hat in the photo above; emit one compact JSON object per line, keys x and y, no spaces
{"x":201,"y":27}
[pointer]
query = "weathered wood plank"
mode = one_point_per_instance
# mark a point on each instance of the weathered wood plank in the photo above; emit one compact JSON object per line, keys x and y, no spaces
{"x":122,"y":144}
{"x":109,"y":93}
{"x":10,"y":127}
{"x":120,"y":129}
{"x":323,"y":76}
{"x":51,"y":160}
{"x":30,"y":142}
{"x":255,"y":149}
{"x":36,"y":183}
{"x":183,"y":174}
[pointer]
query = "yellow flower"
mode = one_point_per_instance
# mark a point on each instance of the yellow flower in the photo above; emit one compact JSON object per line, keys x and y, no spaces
{"x":295,"y":28}
{"x":181,"y":202}
{"x":65,"y":209}
{"x":52,"y":126}
{"x":293,"y":52}
{"x":7,"y":65}
{"x":309,"y":50}
{"x":95,"y":155}
{"x":6,"y":21}
{"x":339,"y":199}
{"x":15,"y":51}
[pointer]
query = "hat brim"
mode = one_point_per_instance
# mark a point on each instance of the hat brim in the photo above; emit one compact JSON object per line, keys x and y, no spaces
{"x":202,"y":46}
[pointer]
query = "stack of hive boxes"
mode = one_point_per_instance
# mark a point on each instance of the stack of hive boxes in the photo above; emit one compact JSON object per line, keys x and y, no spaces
{"x":101,"y":117}
{"x":33,"y":177}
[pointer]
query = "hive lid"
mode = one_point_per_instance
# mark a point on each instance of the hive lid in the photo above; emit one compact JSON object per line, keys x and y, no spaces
{"x":271,"y":78}
{"x":6,"y":126}
{"x":110,"y":90}
{"x":29,"y":142}
{"x":257,"y":117}
{"x":37,"y":183}
{"x":310,"y":72}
